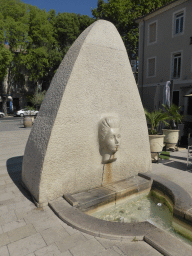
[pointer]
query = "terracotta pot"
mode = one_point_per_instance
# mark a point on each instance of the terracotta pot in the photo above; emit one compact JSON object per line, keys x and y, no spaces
{"x":28,"y":121}
{"x":171,"y":138}
{"x":156,"y":145}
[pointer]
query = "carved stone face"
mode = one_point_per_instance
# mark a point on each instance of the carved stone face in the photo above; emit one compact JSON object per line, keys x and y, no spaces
{"x":109,"y":138}
{"x":112,"y":140}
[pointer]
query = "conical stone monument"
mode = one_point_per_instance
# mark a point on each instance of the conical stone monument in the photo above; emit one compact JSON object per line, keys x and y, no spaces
{"x":91,"y":128}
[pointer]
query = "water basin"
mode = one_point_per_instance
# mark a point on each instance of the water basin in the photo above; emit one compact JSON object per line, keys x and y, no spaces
{"x":141,"y":208}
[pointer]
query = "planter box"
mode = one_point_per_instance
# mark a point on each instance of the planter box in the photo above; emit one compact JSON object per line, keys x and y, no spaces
{"x":28,"y":121}
{"x":156,"y":145}
{"x":171,"y":138}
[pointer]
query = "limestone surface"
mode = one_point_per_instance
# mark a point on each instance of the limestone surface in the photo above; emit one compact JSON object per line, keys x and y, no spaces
{"x":93,"y":81}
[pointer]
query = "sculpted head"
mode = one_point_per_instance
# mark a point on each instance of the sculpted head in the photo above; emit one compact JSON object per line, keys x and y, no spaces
{"x":109,"y":138}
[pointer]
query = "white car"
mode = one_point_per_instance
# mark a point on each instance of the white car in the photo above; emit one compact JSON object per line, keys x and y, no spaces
{"x":2,"y":114}
{"x":25,"y":112}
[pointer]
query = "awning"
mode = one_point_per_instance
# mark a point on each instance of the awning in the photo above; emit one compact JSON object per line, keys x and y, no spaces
{"x":9,"y":98}
{"x":189,"y":95}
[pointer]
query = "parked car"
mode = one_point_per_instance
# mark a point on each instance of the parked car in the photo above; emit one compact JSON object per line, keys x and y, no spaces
{"x":25,"y":112}
{"x":2,"y":114}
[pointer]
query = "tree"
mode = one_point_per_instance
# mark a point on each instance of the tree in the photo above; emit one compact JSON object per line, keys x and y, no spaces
{"x":5,"y":54}
{"x":84,"y":22}
{"x":5,"y":60}
{"x":122,"y":14}
{"x":36,"y":42}
{"x":67,"y":27}
{"x":66,"y":30}
{"x":14,"y":21}
{"x":41,"y":43}
{"x":38,"y":98}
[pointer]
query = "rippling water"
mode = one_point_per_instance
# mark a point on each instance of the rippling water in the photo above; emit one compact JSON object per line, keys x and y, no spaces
{"x":141,"y":208}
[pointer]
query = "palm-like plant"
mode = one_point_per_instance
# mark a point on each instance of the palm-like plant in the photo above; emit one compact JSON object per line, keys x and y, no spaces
{"x":154,"y":118}
{"x":173,"y":115}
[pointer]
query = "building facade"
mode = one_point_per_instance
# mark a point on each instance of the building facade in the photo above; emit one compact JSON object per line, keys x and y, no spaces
{"x":17,"y":97}
{"x":165,"y":54}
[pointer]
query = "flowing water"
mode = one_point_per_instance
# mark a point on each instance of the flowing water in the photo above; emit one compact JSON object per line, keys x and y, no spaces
{"x":138,"y":209}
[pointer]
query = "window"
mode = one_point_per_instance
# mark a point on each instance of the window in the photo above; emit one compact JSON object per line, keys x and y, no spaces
{"x":179,"y":22}
{"x":151,"y":67}
{"x":175,"y":99}
{"x":176,"y":72}
{"x":152,"y":32}
{"x":179,"y":18}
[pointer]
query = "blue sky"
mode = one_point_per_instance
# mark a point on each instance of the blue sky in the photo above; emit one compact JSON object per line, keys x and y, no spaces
{"x":76,"y":6}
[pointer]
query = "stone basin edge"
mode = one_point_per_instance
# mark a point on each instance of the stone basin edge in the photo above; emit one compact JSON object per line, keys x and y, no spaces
{"x":182,"y":201}
{"x":155,"y":237}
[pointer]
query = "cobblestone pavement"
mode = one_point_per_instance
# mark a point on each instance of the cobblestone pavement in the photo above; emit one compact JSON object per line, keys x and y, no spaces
{"x":27,"y":230}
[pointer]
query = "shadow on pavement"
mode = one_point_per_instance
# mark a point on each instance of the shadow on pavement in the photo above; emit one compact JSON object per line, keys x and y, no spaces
{"x":14,"y":168}
{"x":178,"y":157}
{"x":177,"y":165}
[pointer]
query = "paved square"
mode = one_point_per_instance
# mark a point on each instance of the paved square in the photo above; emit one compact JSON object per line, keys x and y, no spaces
{"x":27,"y":230}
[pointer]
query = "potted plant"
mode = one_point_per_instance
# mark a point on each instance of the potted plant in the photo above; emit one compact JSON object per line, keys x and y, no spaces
{"x":156,"y":140}
{"x":28,"y":118}
{"x":171,"y":131}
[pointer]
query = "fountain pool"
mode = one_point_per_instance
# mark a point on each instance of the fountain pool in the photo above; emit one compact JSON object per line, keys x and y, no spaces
{"x":143,"y":207}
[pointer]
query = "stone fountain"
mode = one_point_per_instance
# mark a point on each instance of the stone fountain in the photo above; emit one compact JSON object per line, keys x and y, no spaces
{"x":90,"y":141}
{"x":91,"y":128}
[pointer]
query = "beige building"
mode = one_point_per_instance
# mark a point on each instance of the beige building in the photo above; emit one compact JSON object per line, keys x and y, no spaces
{"x":165,"y":54}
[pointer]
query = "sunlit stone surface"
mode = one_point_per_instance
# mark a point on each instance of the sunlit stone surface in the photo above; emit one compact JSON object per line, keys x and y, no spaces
{"x":94,"y":81}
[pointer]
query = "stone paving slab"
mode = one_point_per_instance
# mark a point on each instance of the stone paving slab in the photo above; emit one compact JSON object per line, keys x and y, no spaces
{"x":50,"y":250}
{"x":70,"y":242}
{"x":3,"y":210}
{"x":4,"y":251}
{"x":4,"y":239}
{"x":163,"y":242}
{"x":85,"y":248}
{"x":13,"y":225}
{"x":138,"y":248}
{"x":20,"y":233}
{"x":8,"y":217}
{"x":54,"y":234}
{"x":109,"y":252}
{"x":26,"y":245}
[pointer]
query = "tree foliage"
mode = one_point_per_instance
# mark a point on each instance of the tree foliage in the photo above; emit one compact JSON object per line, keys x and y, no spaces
{"x":36,"y":42}
{"x":174,"y":115}
{"x":38,"y":98}
{"x":5,"y":60}
{"x":122,"y":14}
{"x":155,"y":118}
{"x":14,"y":22}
